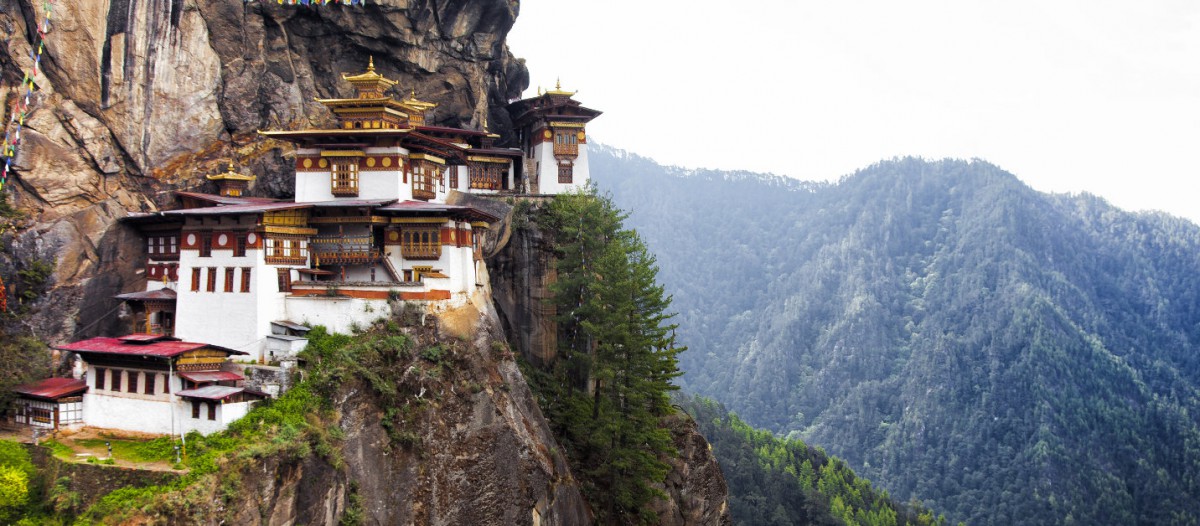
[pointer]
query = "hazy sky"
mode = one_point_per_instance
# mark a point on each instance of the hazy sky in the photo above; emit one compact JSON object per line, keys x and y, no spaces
{"x":1097,"y":95}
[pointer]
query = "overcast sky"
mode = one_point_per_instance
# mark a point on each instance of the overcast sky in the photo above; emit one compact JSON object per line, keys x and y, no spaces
{"x":1097,"y":95}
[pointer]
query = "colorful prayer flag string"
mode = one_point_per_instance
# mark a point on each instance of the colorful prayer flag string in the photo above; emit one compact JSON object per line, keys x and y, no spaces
{"x":314,"y":2}
{"x":20,"y":109}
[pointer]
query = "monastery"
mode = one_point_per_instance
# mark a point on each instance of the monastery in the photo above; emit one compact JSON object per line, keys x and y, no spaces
{"x":232,"y":278}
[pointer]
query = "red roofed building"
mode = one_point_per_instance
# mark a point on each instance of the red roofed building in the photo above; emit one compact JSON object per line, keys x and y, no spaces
{"x":152,"y":383}
{"x":51,"y":403}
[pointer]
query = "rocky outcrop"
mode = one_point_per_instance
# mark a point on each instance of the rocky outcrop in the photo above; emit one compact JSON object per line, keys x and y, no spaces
{"x":695,"y":487}
{"x":140,"y":97}
{"x":521,"y":268}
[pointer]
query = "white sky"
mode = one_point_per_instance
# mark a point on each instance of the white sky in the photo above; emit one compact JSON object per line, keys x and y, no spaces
{"x":1069,"y":95}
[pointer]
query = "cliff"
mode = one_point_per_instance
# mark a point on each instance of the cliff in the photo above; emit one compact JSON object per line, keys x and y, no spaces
{"x":137,"y":98}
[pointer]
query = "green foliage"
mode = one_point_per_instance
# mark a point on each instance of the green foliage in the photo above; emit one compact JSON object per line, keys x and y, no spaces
{"x":16,"y":474}
{"x":609,"y":387}
{"x":33,"y":359}
{"x":772,"y":481}
{"x":1009,"y":356}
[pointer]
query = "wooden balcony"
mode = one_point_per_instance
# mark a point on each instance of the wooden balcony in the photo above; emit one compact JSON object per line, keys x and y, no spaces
{"x":432,"y":251}
{"x":569,"y":150}
{"x":346,"y":257}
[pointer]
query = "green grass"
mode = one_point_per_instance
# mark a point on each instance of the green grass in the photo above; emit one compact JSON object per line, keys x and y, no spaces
{"x":157,"y":450}
{"x":60,"y":450}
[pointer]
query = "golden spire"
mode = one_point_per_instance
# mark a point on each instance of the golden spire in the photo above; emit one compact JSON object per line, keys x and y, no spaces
{"x":230,"y":175}
{"x":558,"y":89}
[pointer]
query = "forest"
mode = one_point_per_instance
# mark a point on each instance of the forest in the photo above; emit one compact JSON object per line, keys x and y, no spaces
{"x":1001,"y":355}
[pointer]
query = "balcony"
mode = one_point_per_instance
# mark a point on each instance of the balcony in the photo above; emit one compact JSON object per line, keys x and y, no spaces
{"x":568,"y":150}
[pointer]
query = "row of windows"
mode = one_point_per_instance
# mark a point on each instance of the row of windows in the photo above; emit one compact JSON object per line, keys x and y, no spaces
{"x":212,"y":409}
{"x":109,"y":379}
{"x":211,"y":284}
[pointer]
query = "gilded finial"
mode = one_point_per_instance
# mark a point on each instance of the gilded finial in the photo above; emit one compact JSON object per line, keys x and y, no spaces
{"x":558,"y":84}
{"x":371,"y":63}
{"x":231,"y":166}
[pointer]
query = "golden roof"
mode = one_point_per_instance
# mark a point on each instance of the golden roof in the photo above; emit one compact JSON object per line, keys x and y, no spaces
{"x":231,"y":176}
{"x":418,"y":105}
{"x":370,"y":79}
{"x":558,"y":89}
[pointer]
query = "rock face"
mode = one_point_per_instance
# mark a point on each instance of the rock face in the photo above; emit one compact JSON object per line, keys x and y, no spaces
{"x":141,"y":97}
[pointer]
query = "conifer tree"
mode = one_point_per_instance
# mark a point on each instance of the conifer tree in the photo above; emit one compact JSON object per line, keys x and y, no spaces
{"x":617,"y":356}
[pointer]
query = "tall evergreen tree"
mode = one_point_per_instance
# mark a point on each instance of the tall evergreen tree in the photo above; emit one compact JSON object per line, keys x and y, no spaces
{"x":611,"y":384}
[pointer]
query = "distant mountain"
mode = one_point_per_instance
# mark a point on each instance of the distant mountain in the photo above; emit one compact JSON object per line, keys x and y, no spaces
{"x":1008,"y":356}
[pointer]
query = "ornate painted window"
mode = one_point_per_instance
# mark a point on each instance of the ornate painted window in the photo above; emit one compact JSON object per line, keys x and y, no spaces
{"x":566,"y":173}
{"x":345,"y":177}
{"x":420,"y":243}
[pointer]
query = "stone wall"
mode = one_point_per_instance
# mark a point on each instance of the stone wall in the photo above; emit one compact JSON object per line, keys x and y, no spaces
{"x":92,"y":481}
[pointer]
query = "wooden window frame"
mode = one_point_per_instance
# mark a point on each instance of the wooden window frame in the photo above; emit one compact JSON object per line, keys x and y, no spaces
{"x":245,"y":279}
{"x":148,"y":383}
{"x":212,"y":410}
{"x":283,"y":278}
{"x":206,"y":240}
{"x":101,"y":373}
{"x":115,"y":381}
{"x":566,"y":173}
{"x":212,"y":279}
{"x":196,"y":279}
{"x":343,"y":177}
{"x":421,"y":243}
{"x":196,"y":409}
{"x":229,"y":279}
{"x":239,"y":245}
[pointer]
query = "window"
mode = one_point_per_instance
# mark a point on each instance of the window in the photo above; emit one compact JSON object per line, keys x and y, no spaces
{"x":287,"y":249}
{"x":441,"y":179}
{"x":285,"y":279}
{"x":345,"y":178}
{"x":212,"y":279}
{"x":116,"y":380}
{"x":195,"y":280}
{"x":148,"y":383}
{"x":487,"y":176}
{"x":423,"y":243}
{"x":205,"y":244}
{"x":100,"y":374}
{"x":566,"y":142}
{"x":229,"y":279}
{"x":422,"y":180}
{"x":245,"y":279}
{"x":132,"y":386}
{"x":454,"y":178}
{"x":212,"y":410}
{"x":565,"y":173}
{"x":239,"y":245}
{"x":195,"y":409}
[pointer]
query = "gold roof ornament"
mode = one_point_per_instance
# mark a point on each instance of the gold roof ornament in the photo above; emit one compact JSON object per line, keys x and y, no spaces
{"x":420,"y":105}
{"x":558,"y":89}
{"x":231,"y":175}
{"x":369,"y":84}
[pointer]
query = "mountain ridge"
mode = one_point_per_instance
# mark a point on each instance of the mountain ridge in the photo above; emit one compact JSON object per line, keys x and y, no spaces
{"x":1008,"y":355}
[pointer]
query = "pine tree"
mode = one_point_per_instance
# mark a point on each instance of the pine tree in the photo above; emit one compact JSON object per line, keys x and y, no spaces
{"x":617,"y":357}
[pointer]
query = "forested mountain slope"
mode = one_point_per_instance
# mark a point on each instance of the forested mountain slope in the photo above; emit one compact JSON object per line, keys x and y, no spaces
{"x":1010,"y":357}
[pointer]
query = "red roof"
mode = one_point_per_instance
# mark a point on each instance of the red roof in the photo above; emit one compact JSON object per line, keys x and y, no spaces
{"x":52,"y":388}
{"x":137,"y":346}
{"x":246,"y":208}
{"x":211,"y":376}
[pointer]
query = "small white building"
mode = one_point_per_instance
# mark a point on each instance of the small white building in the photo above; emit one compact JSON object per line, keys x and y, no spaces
{"x":52,"y":403}
{"x":158,"y":384}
